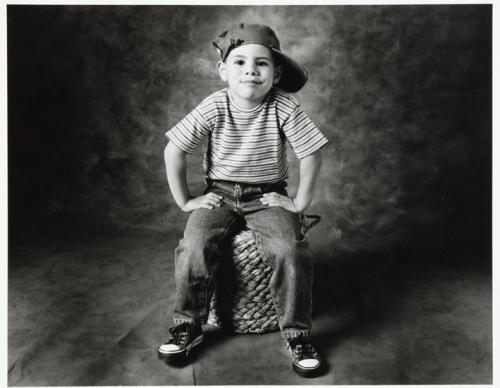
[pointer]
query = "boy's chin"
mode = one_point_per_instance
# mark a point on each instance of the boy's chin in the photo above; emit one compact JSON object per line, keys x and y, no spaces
{"x":251,"y":95}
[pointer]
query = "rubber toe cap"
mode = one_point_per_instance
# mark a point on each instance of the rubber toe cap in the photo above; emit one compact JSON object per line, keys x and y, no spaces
{"x":169,"y":348}
{"x":309,"y":363}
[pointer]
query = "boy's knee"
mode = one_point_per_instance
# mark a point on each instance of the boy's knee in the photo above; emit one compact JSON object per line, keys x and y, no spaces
{"x":290,"y":251}
{"x":200,"y":241}
{"x":195,"y":254}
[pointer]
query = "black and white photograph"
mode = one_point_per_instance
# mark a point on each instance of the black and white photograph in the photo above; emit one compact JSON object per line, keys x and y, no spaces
{"x":249,"y":194}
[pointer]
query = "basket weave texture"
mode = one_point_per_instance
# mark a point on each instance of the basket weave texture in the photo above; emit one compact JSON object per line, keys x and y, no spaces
{"x":242,"y":300}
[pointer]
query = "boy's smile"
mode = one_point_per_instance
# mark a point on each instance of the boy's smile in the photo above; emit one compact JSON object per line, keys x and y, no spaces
{"x":250,"y":73}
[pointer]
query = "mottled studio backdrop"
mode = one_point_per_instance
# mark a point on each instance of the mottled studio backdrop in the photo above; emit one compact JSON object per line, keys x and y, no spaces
{"x":402,"y":92}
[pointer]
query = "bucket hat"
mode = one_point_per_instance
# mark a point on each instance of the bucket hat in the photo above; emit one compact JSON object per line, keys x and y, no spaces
{"x":293,"y":76}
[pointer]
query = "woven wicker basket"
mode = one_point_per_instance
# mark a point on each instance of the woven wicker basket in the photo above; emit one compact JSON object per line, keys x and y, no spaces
{"x":242,"y":300}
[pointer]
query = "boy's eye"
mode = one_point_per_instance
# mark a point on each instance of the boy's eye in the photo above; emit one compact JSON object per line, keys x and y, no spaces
{"x":262,"y":63}
{"x":239,"y":62}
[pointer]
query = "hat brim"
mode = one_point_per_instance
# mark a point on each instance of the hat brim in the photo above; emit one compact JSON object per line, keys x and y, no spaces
{"x":293,"y":76}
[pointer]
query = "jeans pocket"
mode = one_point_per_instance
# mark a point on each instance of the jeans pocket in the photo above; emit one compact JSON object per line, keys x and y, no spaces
{"x":218,"y":188}
{"x":273,"y":188}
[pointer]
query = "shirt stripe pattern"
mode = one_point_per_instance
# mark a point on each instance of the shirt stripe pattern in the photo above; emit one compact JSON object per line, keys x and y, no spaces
{"x":248,"y":146}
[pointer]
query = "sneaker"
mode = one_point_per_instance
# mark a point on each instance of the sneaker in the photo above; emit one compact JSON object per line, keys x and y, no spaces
{"x":305,"y":359}
{"x":184,"y":338}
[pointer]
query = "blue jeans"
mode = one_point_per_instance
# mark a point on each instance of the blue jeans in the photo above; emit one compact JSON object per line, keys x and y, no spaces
{"x":278,"y":240}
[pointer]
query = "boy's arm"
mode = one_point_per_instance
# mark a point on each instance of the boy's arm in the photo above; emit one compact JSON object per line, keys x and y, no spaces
{"x":309,"y":171}
{"x":176,"y":165}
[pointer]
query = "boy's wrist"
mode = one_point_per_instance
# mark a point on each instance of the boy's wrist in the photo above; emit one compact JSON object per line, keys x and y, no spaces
{"x":300,"y":207}
{"x":182,"y":204}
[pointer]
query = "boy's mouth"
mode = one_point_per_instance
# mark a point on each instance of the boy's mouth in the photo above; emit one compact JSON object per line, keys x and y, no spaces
{"x":251,"y":82}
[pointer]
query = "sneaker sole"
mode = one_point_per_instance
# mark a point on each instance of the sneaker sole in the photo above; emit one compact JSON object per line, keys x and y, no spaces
{"x":181,"y":355}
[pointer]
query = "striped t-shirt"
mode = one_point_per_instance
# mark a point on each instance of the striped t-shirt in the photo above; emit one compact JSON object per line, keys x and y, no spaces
{"x":248,"y":146}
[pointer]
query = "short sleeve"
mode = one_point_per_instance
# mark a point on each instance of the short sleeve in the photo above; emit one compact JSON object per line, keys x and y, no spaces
{"x":190,"y":131}
{"x":304,"y":137}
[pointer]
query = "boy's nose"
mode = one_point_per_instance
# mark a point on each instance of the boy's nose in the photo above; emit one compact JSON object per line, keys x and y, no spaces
{"x":251,"y":70}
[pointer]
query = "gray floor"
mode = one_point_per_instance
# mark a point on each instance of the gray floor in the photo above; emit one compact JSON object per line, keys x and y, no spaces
{"x":93,"y":313}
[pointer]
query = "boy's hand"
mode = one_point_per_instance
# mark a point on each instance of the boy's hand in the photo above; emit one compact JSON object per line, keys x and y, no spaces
{"x":207,"y":201}
{"x":275,"y":199}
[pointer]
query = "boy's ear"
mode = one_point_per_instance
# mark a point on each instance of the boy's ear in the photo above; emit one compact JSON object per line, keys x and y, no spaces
{"x":221,"y":66}
{"x":277,"y":75}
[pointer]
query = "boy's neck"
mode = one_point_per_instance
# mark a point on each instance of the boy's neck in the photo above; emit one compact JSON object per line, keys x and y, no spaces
{"x":243,"y":104}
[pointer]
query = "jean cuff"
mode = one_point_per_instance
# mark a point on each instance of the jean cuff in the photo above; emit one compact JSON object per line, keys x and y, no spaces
{"x":294,"y":333}
{"x":194,"y":322}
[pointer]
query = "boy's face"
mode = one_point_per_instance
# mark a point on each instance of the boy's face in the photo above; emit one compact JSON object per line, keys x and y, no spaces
{"x":250,"y":73}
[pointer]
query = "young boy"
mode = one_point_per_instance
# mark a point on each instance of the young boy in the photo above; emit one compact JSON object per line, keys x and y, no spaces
{"x":247,"y":125}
